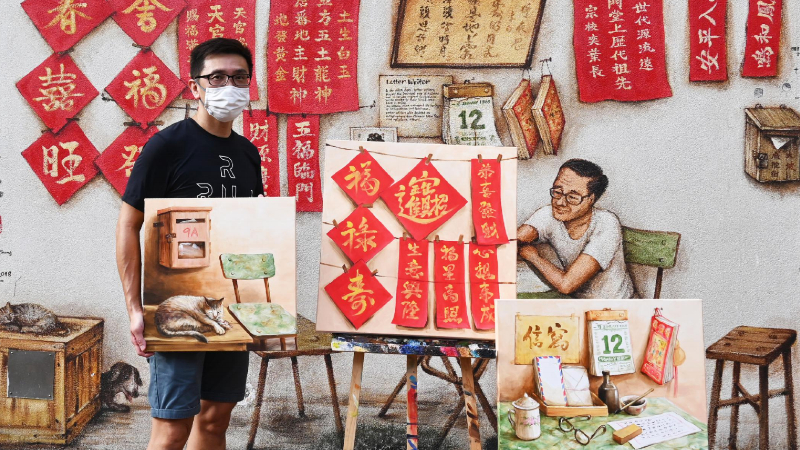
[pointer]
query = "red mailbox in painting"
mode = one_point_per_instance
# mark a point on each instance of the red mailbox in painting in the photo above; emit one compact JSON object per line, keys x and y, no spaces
{"x":63,"y":23}
{"x":116,"y":161}
{"x":358,"y":294}
{"x":363,"y":179}
{"x":145,"y":20}
{"x":361,"y":235}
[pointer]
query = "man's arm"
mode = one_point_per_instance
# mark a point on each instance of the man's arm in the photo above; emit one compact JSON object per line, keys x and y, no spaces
{"x":527,"y":233}
{"x":566,"y":282}
{"x":129,"y":264}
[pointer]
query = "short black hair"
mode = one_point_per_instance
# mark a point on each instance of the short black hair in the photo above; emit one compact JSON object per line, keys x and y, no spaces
{"x":598,"y":181}
{"x":217,"y":46}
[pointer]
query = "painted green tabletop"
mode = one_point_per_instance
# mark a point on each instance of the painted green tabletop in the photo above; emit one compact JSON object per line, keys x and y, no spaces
{"x":553,"y":438}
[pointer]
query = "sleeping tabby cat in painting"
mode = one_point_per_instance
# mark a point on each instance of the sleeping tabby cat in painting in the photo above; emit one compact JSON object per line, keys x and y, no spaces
{"x":30,"y":318}
{"x":190,"y":315}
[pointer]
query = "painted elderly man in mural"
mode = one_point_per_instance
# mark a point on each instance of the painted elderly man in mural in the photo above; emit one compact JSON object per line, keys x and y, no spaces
{"x":587,"y":240}
{"x":192,"y":394}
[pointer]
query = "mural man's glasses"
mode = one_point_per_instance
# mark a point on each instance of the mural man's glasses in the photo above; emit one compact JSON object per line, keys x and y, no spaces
{"x":572,"y":198}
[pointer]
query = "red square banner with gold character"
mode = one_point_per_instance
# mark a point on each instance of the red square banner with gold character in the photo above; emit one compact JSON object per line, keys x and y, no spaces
{"x":63,"y":23}
{"x":358,"y":294}
{"x":449,"y":285}
{"x":423,"y":200}
{"x":708,"y":59}
{"x":434,"y":198}
{"x":361,"y":235}
{"x":56,"y":90}
{"x":363,"y":179}
{"x":145,"y":87}
{"x":206,"y":19}
{"x":411,"y":301}
{"x":261,"y":128}
{"x":619,"y":50}
{"x":487,"y":206}
{"x":763,"y":38}
{"x":312,"y":55}
{"x":145,"y":20}
{"x":484,"y":290}
{"x":116,"y":161}
{"x":302,"y":162}
{"x":64,"y":162}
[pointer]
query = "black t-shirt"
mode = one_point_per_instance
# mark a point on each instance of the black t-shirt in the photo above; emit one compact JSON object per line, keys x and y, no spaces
{"x":186,"y":161}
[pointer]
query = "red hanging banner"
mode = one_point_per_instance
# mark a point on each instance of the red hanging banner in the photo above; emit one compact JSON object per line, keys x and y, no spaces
{"x":708,"y":60}
{"x":423,"y":200}
{"x":483,"y":279}
{"x":206,"y":19}
{"x":487,"y":208}
{"x":262,"y":130}
{"x":363,"y":179}
{"x":117,"y":159}
{"x":312,"y":55}
{"x":619,"y":50}
{"x":145,"y":87}
{"x":361,"y":235}
{"x":358,"y":294}
{"x":450,"y":285}
{"x":763,"y":39}
{"x":64,"y":162}
{"x":145,"y":20}
{"x":57,"y":90}
{"x":411,"y":301}
{"x":302,"y":162}
{"x":63,"y":23}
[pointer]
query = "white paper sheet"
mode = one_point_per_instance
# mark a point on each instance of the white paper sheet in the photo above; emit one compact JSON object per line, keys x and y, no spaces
{"x":656,"y":429}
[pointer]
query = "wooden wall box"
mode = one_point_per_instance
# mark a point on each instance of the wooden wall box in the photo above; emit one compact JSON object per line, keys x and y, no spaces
{"x":184,"y":237}
{"x":61,"y":412}
{"x":772,"y":139}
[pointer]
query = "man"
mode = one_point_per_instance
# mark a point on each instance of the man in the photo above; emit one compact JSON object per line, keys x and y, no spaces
{"x":587,"y":240}
{"x":192,"y":394}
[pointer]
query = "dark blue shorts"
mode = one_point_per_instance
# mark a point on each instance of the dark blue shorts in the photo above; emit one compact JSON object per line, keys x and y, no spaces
{"x":178,"y":380}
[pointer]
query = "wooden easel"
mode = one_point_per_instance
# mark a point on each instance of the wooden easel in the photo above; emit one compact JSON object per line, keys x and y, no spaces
{"x":360,"y":345}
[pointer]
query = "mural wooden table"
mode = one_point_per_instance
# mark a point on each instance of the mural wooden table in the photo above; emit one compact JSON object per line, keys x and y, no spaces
{"x":413,"y":349}
{"x":552,"y":437}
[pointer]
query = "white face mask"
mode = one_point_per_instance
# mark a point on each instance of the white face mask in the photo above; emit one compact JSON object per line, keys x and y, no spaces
{"x":227,"y":102}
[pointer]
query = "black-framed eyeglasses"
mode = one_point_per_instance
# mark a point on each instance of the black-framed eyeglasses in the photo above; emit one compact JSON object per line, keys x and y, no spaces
{"x":573,"y":198}
{"x":221,"y":79}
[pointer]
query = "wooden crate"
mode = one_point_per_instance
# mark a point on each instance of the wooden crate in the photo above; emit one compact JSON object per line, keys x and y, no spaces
{"x":763,"y":128}
{"x":184,"y":226}
{"x":599,"y":408}
{"x":76,"y":384}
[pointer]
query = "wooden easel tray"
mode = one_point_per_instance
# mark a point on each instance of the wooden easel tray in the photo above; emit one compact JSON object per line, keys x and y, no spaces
{"x":599,"y":409}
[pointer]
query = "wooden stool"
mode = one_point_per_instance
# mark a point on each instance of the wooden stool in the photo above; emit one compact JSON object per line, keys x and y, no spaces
{"x":759,"y":346}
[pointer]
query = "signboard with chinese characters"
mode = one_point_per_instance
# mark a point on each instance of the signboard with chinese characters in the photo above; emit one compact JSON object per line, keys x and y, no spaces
{"x":206,"y":19}
{"x":619,"y":50}
{"x":708,"y":59}
{"x":302,"y":162}
{"x":487,"y":212}
{"x":547,"y":336}
{"x":763,"y":39}
{"x":484,"y":289}
{"x":262,"y":130}
{"x":63,"y":23}
{"x":144,"y":20}
{"x":312,"y":55}
{"x":116,"y":161}
{"x":466,"y":33}
{"x":419,"y":206}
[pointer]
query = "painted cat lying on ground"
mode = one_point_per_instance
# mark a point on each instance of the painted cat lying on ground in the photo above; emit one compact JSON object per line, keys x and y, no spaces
{"x":190,"y":315}
{"x":122,"y":377}
{"x":31,"y":318}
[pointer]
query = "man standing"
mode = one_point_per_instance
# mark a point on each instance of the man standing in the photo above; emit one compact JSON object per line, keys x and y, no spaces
{"x":192,"y":394}
{"x":587,"y":240}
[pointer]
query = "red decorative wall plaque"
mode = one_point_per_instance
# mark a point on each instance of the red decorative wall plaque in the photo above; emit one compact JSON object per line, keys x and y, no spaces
{"x":358,"y":294}
{"x":363,"y":179}
{"x":117,"y":160}
{"x":487,"y":208}
{"x":361,"y":235}
{"x":63,"y":23}
{"x":262,"y":130}
{"x":708,"y":60}
{"x":411,"y":304}
{"x":449,"y":285}
{"x":483,"y":279}
{"x":763,"y":39}
{"x":145,"y":20}
{"x":302,"y":162}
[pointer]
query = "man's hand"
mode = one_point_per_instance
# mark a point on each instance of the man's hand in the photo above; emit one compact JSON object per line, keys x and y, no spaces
{"x":528,"y":252}
{"x":137,"y":334}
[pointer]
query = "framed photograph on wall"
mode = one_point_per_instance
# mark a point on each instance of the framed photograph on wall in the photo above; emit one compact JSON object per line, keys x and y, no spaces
{"x":373,"y":134}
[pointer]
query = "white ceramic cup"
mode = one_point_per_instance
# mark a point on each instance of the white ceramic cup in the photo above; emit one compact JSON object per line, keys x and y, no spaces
{"x":526,"y":421}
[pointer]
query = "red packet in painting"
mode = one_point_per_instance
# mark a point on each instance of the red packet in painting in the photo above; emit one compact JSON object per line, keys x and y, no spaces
{"x":708,"y":60}
{"x":358,"y":294}
{"x":64,"y":162}
{"x":411,"y":305}
{"x":63,"y":23}
{"x":262,"y":130}
{"x":449,"y":285}
{"x":56,"y":90}
{"x":763,"y":39}
{"x":361,"y":235}
{"x":144,"y":20}
{"x":487,"y":209}
{"x":302,"y":162}
{"x":483,"y":273}
{"x":423,"y":200}
{"x":145,"y":87}
{"x":117,"y":159}
{"x":312,"y":55}
{"x":363,"y":179}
